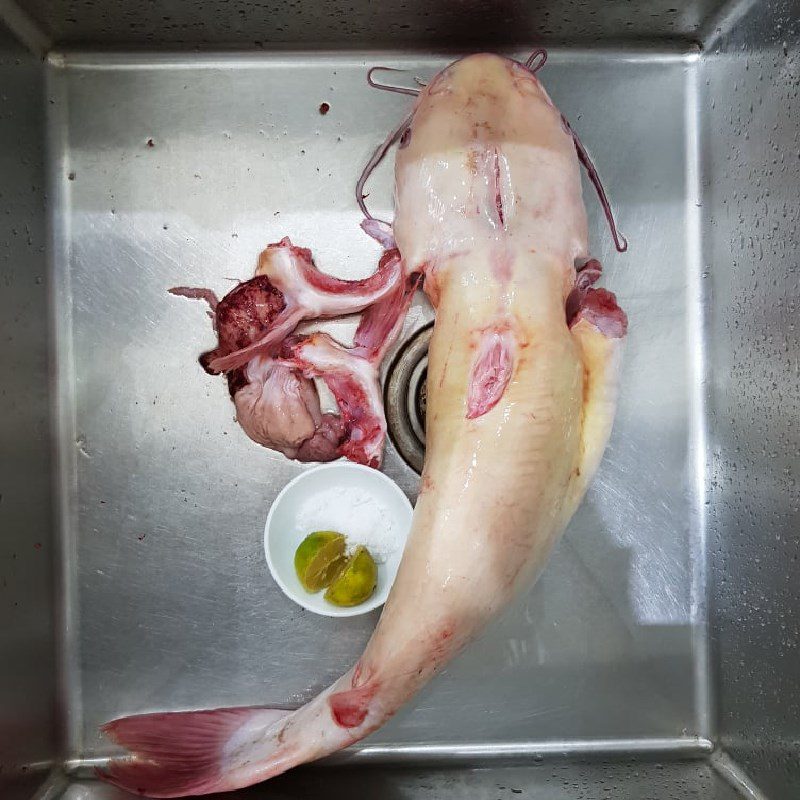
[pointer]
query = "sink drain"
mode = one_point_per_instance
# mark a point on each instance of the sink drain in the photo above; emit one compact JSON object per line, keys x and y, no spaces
{"x":405,"y":398}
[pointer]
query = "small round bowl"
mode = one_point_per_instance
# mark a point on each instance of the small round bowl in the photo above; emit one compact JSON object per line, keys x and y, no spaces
{"x":283,"y":532}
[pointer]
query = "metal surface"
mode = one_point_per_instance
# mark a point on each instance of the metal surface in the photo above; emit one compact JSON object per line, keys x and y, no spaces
{"x":23,"y":29}
{"x":178,"y":171}
{"x":342,"y":23}
{"x":27,"y":675}
{"x":405,"y":398}
{"x":170,"y":169}
{"x":545,"y":781}
{"x":752,"y":174}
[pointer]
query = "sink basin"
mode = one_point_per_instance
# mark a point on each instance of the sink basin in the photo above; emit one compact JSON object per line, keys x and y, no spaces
{"x":146,"y":145}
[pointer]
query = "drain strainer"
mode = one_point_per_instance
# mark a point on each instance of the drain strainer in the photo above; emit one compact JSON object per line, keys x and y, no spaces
{"x":405,"y":398}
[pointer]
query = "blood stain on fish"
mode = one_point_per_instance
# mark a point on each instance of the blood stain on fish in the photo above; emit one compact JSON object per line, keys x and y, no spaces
{"x":349,"y":709}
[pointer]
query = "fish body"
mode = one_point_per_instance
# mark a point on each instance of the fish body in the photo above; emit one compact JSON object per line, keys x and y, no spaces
{"x":522,"y":382}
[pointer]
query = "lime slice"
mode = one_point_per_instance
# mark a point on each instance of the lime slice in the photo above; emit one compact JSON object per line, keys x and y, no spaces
{"x":356,"y":582}
{"x":318,"y":559}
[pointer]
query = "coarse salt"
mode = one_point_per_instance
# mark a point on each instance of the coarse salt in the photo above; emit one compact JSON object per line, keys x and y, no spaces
{"x":356,"y":514}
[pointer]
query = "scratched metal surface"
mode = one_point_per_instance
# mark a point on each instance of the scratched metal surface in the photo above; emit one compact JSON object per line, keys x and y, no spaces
{"x":27,"y":542}
{"x":751,"y":179}
{"x":178,"y":170}
{"x":245,"y":23}
{"x":589,"y":781}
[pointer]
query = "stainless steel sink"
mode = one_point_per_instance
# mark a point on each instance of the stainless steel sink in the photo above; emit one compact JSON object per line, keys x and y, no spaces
{"x":148,"y":144}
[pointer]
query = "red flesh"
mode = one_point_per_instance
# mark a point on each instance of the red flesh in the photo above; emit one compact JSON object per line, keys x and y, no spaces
{"x":241,"y":316}
{"x":349,"y":709}
{"x":348,"y":376}
{"x":601,"y":310}
{"x":381,"y":323}
{"x":277,"y":403}
{"x":597,"y":306}
{"x":491,"y":371}
{"x":308,"y":294}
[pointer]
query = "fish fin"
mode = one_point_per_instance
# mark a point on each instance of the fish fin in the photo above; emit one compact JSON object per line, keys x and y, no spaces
{"x":598,"y":330}
{"x":382,"y":322}
{"x":181,"y":753}
{"x":600,"y":309}
{"x":380,"y":231}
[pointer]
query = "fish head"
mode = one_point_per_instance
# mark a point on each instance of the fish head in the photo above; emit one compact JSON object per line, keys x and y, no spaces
{"x":486,"y":158}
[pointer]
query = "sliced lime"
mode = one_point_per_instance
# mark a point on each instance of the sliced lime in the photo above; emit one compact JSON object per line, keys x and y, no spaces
{"x":356,"y":582}
{"x":318,"y":559}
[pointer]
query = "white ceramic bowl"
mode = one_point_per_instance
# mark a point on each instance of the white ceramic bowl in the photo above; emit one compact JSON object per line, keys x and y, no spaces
{"x":284,"y":530}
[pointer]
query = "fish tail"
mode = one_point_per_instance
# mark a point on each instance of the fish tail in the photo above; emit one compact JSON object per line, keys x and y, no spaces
{"x":194,"y":752}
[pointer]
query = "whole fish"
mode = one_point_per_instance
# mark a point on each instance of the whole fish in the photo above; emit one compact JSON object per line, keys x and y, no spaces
{"x":522,"y":386}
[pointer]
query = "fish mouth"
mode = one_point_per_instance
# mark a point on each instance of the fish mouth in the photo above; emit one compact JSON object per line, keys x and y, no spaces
{"x":405,"y":398}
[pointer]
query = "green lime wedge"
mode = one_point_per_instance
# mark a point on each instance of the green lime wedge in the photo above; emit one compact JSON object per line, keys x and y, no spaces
{"x":318,"y":559}
{"x":356,"y":581}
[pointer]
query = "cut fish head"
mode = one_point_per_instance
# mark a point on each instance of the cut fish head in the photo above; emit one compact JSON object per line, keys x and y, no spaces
{"x":487,"y":158}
